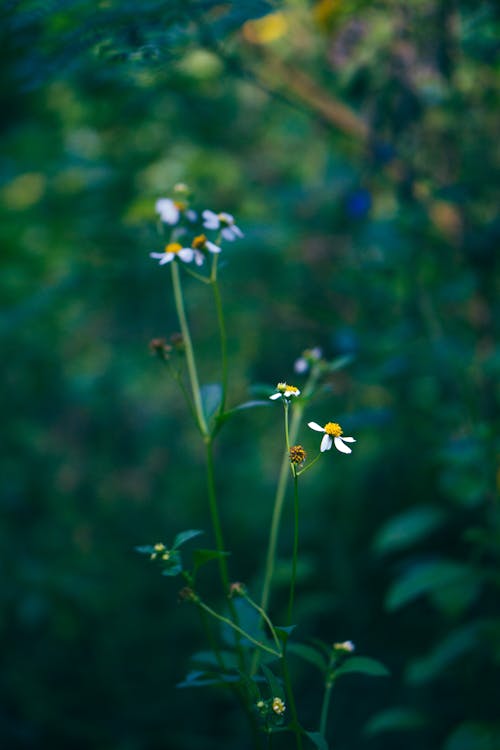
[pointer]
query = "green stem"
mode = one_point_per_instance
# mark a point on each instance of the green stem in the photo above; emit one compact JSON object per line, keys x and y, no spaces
{"x":325,"y":706}
{"x":214,"y":515}
{"x":295,"y":543}
{"x":309,"y":465}
{"x":222,"y":336}
{"x":294,"y":724}
{"x":188,"y":346}
{"x":237,"y":629}
{"x":266,"y":619}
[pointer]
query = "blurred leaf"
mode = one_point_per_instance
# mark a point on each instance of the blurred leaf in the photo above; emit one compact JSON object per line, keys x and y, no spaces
{"x":203,"y":556}
{"x":395,"y":719}
{"x":408,"y":528}
{"x":318,"y":740}
{"x":435,"y":577}
{"x":284,"y":631}
{"x":363,"y":665}
{"x":197,"y":678}
{"x":474,"y":736}
{"x":241,"y":407}
{"x":211,"y":398}
{"x":309,"y":654}
{"x":339,"y":363}
{"x":458,"y":642}
{"x":275,"y":685}
{"x":185,"y":536}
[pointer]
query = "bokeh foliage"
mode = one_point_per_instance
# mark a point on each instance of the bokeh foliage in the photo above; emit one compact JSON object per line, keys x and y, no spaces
{"x":357,"y":144}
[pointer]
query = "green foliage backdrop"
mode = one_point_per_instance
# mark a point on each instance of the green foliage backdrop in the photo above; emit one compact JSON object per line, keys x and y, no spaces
{"x":357,"y":145}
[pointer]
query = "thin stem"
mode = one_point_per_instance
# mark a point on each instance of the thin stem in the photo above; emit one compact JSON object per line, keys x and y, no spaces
{"x":239,"y":630}
{"x":309,"y":465}
{"x":266,"y":619}
{"x":294,"y":724}
{"x":214,"y":515}
{"x":188,"y":346}
{"x":222,"y":335}
{"x":286,"y":406}
{"x":295,"y":543}
{"x":325,"y":707}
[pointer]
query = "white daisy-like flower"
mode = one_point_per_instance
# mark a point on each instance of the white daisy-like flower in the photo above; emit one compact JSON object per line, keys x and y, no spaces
{"x":224,"y":222}
{"x":200,"y":242}
{"x":168,"y":210}
{"x":174,"y":250}
{"x":285,"y":390}
{"x":347,"y":646}
{"x":333,"y":435}
{"x":303,"y":363}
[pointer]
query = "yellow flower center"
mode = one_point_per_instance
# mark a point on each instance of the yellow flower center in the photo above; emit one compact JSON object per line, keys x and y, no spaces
{"x":199,"y":242}
{"x":180,"y":205}
{"x":173,"y":247}
{"x":282,"y":387}
{"x":333,"y":429}
{"x":278,"y":706}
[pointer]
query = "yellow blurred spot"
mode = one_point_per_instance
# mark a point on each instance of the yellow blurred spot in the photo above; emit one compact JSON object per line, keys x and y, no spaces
{"x":446,"y":217}
{"x":24,"y":191}
{"x":266,"y":29}
{"x":325,"y":11}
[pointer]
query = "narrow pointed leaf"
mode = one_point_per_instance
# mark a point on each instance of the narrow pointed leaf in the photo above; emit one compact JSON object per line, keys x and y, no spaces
{"x":185,"y":536}
{"x":363,"y":665}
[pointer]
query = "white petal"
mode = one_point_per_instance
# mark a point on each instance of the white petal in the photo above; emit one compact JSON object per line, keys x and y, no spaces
{"x":169,"y":213}
{"x":167,"y":257}
{"x":340,"y":446}
{"x":300,"y":365}
{"x":212,"y":247}
{"x":348,"y":439}
{"x":198,"y":258}
{"x":228,"y":234}
{"x":186,"y":254}
{"x":210,"y":220}
{"x":237,"y":231}
{"x":191,"y":215}
{"x":226,"y":217}
{"x":315,"y":426}
{"x":158,"y":256}
{"x":275,"y":396}
{"x":326,"y":443}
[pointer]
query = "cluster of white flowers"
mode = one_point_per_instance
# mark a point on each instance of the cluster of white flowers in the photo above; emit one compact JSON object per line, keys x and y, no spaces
{"x":171,"y":212}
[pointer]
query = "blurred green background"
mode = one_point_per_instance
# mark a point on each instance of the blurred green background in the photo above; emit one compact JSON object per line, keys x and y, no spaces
{"x":357,"y":145}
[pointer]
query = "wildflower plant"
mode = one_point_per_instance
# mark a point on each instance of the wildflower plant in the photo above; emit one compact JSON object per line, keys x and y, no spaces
{"x":250,"y":653}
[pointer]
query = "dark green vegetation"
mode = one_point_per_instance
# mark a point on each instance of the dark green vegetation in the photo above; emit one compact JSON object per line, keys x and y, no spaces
{"x":357,"y":144}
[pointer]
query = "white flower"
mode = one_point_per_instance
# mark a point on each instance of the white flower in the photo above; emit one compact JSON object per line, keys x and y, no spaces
{"x":347,"y":646}
{"x":303,"y":363}
{"x":333,"y":432}
{"x":285,"y":390}
{"x":174,"y":250}
{"x":224,"y":221}
{"x":200,"y":242}
{"x":168,"y":210}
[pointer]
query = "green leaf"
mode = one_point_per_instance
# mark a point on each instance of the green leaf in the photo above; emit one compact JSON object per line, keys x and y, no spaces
{"x":450,"y":648}
{"x":433,"y":577}
{"x":275,"y":685}
{"x":363,"y":665}
{"x":241,"y":407}
{"x":146,"y":549}
{"x":198,"y":678}
{"x":209,"y":659}
{"x":309,"y":654}
{"x":172,"y":570}
{"x":408,"y":528}
{"x":284,"y":632}
{"x":318,"y":740}
{"x":203,"y":556}
{"x":185,"y":536}
{"x":211,"y":398}
{"x":474,"y":736}
{"x":395,"y":719}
